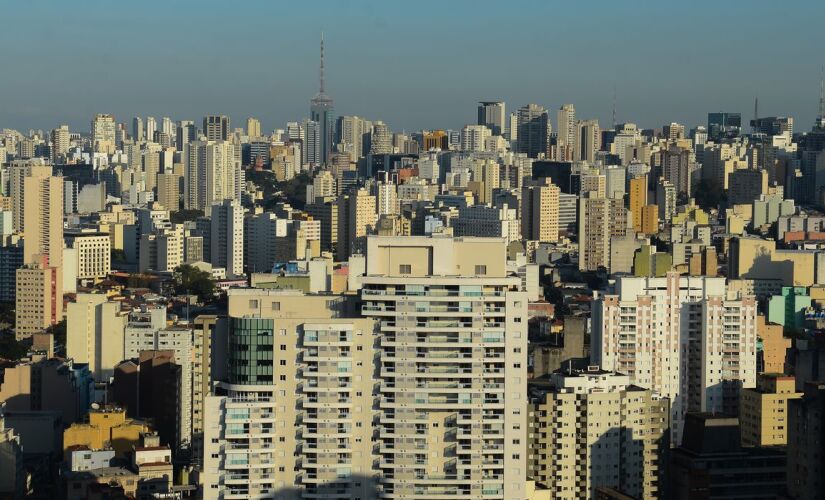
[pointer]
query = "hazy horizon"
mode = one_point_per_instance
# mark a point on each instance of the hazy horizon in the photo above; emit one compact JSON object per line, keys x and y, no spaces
{"x":414,"y":68}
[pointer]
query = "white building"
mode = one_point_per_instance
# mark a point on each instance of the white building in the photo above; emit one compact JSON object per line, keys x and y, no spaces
{"x":227,"y":237}
{"x":680,"y":336}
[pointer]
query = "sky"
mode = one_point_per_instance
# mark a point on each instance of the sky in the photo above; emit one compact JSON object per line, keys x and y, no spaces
{"x":415,"y":65}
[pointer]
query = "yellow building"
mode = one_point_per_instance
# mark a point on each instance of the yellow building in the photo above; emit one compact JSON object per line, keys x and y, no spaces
{"x":774,"y":345}
{"x":763,"y":411}
{"x":758,"y":259}
{"x":108,"y":427}
{"x":690,"y":212}
{"x":650,"y":219}
{"x":638,"y":200}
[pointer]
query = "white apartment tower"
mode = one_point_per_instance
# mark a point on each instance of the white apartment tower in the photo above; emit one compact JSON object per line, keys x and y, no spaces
{"x":227,"y":237}
{"x":682,"y":337}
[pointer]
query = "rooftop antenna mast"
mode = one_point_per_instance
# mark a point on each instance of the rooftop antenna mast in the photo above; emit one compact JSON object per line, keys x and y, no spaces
{"x":322,"y":62}
{"x":614,"y":105}
{"x":754,"y":127}
{"x":822,"y":94}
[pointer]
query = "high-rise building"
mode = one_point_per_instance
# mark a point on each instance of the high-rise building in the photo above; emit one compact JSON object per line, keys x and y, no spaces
{"x":38,"y":299}
{"x":311,"y":146}
{"x":353,"y":132}
{"x":167,"y":127}
{"x":94,"y":253}
{"x":711,"y":463}
{"x":94,"y":333}
{"x":437,"y":139}
{"x":322,"y":111}
{"x":216,"y":127}
{"x":253,"y":128}
{"x":137,"y":129}
{"x":185,"y":133}
{"x":103,"y":133}
{"x":380,"y":139}
{"x":473,"y":137}
{"x":533,"y":130}
{"x":638,"y":200}
{"x":599,"y":220}
{"x":491,"y":114}
{"x":357,"y":215}
{"x":168,"y":187}
{"x":705,"y":341}
{"x":19,"y":172}
{"x":724,"y":125}
{"x":228,"y":237}
{"x":567,"y":133}
{"x":678,"y":166}
{"x":591,"y":429}
{"x":151,"y":128}
{"x":540,"y":212}
{"x":588,"y":140}
{"x":806,"y":434}
{"x":382,"y":414}
{"x":60,"y":142}
{"x":763,"y":411}
{"x":212,"y":173}
{"x":43,"y":216}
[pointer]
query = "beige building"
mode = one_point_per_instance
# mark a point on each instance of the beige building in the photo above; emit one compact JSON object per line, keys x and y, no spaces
{"x":169,"y":192}
{"x":39,"y":299}
{"x":435,"y":407}
{"x":93,"y":253}
{"x":763,"y":411}
{"x":103,"y":134}
{"x":19,"y":171}
{"x":757,"y":259}
{"x":593,"y":429}
{"x":682,"y":337}
{"x":95,"y":332}
{"x":540,"y":213}
{"x":43,"y":219}
{"x":357,"y":216}
{"x":600,"y":219}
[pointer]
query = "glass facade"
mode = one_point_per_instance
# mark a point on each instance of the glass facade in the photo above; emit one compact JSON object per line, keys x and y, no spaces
{"x":250,"y":351}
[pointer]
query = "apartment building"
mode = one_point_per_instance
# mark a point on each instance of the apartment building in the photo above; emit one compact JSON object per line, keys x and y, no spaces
{"x":680,"y":336}
{"x":419,"y":396}
{"x":591,"y":429}
{"x":763,"y":414}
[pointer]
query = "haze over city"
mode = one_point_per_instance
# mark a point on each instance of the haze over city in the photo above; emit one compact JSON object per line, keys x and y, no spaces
{"x":413,"y":66}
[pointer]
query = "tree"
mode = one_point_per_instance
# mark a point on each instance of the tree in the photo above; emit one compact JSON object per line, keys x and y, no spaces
{"x":58,"y":330}
{"x":189,"y":280}
{"x":10,"y":347}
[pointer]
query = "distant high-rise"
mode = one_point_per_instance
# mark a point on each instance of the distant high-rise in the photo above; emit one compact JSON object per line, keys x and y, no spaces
{"x":227,"y":237}
{"x":216,"y":127}
{"x":322,"y":110}
{"x":724,"y":125}
{"x":185,"y":133}
{"x":60,"y":142}
{"x":380,"y":139}
{"x":587,"y":140}
{"x":167,"y":127}
{"x":491,"y":114}
{"x":566,"y":142}
{"x":137,"y":129}
{"x":151,"y":128}
{"x":103,"y":134}
{"x":533,"y":130}
{"x":253,"y":127}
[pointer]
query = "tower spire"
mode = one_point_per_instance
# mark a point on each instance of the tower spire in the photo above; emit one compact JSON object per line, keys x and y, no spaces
{"x":322,"y":63}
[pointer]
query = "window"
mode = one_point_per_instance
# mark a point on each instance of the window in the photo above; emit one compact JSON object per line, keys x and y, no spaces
{"x":481,"y":270}
{"x":405,"y":269}
{"x":253,"y":304}
{"x":276,"y":306}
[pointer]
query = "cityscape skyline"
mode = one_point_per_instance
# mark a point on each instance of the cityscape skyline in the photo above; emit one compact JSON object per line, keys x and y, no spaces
{"x":172,"y":74}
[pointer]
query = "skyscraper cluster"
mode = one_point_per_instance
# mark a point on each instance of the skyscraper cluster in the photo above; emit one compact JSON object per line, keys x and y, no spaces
{"x":534,"y":305}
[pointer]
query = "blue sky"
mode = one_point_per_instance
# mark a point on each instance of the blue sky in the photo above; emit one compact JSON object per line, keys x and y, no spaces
{"x":415,"y":65}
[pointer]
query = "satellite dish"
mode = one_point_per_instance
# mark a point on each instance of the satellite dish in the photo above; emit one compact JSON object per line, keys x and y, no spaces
{"x":95,"y":406}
